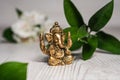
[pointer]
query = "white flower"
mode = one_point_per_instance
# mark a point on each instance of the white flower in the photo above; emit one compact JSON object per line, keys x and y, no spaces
{"x":34,"y":17}
{"x":17,"y":38}
{"x":23,"y":29}
{"x":26,"y":40}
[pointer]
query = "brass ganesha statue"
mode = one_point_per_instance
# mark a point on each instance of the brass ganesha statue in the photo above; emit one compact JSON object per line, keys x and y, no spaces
{"x":57,"y":50}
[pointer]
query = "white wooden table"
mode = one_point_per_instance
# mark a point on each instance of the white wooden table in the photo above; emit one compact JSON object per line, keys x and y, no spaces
{"x":102,"y":66}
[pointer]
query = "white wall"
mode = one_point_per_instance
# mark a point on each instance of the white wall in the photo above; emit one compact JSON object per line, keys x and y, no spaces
{"x":54,"y":9}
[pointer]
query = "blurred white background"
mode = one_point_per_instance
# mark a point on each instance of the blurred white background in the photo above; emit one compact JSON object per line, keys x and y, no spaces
{"x":54,"y":9}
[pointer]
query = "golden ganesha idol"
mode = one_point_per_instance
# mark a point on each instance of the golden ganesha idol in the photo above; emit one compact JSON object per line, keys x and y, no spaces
{"x":57,"y":50}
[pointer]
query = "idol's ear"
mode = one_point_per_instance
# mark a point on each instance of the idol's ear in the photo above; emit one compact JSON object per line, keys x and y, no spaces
{"x":49,"y":37}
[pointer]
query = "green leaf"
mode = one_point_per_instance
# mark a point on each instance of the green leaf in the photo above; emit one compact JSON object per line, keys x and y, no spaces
{"x":8,"y":35}
{"x":89,"y":48}
{"x":100,"y":18}
{"x":76,"y":34}
{"x":38,"y":25}
{"x":13,"y":71}
{"x":108,"y":42}
{"x":19,"y":12}
{"x":72,"y":15}
{"x":76,"y":45}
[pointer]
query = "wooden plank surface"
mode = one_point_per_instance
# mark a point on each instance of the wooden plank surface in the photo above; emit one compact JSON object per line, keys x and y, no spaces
{"x":102,"y":66}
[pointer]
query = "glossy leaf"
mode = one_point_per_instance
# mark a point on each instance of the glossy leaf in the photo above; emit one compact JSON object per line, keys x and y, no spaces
{"x":101,"y":18}
{"x":8,"y":35}
{"x":72,"y":15}
{"x":108,"y":42}
{"x":76,"y":45}
{"x":13,"y":71}
{"x":19,"y":12}
{"x":76,"y":34}
{"x":89,"y":48}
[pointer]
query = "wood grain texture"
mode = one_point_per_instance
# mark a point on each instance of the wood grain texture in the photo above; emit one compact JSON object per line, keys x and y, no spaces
{"x":102,"y":66}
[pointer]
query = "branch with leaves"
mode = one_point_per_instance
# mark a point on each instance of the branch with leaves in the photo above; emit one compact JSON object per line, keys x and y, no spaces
{"x":81,"y":32}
